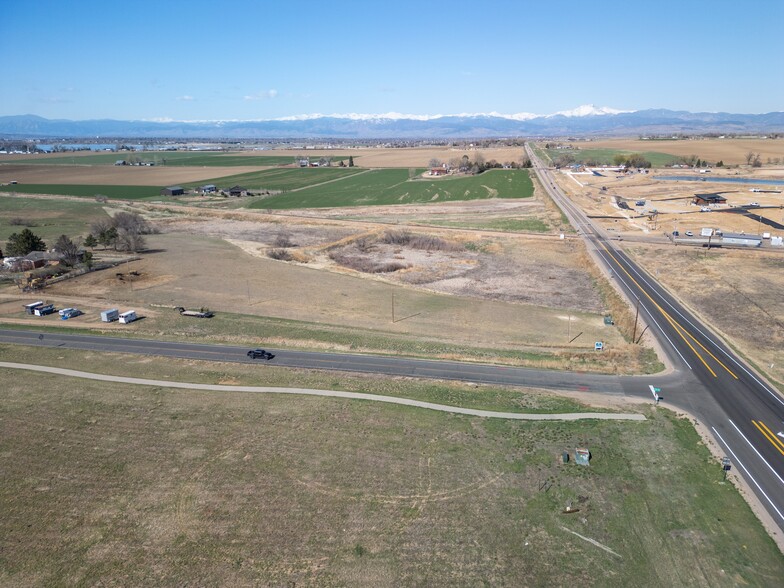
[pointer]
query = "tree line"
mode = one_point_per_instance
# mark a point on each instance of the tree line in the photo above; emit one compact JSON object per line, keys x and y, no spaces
{"x":464,"y":164}
{"x":123,"y":232}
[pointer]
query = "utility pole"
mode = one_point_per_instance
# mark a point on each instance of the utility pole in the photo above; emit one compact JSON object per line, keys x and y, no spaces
{"x":636,"y":314}
{"x":393,"y":307}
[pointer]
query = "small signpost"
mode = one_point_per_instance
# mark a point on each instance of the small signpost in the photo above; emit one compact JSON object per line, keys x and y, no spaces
{"x":655,"y":391}
{"x":725,"y":465}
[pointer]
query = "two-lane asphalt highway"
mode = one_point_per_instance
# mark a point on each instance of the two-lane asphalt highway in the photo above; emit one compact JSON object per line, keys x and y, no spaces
{"x":745,"y":414}
{"x":388,"y":365}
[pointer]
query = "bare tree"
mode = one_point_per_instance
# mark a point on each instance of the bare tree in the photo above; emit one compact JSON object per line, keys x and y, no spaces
{"x":434,"y":163}
{"x":283,"y":240}
{"x":132,"y":222}
{"x":67,"y":250}
{"x":129,"y":241}
{"x":749,"y":157}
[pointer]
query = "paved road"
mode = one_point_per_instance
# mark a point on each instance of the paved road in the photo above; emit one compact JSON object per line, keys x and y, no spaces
{"x":745,"y":415}
{"x":743,"y":412}
{"x":572,"y":416}
{"x":388,"y":365}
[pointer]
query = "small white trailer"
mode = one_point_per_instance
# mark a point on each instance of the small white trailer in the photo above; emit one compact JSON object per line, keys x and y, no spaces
{"x":110,"y":315}
{"x":128,"y":317}
{"x":30,"y":308}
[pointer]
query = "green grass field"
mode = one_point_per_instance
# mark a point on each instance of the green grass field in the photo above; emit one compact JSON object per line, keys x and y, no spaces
{"x":605,"y":156}
{"x":513,"y":225}
{"x":173,"y":158}
{"x":47,"y":218}
{"x":90,"y":191}
{"x":280,"y":179}
{"x":117,"y":484}
{"x":393,"y":186}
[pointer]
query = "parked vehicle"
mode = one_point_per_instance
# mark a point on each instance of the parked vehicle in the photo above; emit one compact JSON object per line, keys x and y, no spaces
{"x":30,"y":308}
{"x":705,"y":209}
{"x":68,"y":313}
{"x":127,"y":317}
{"x":110,"y":315}
{"x":44,"y":310}
{"x":689,"y":234}
{"x":260,"y":354}
{"x":753,"y":205}
{"x":676,"y":233}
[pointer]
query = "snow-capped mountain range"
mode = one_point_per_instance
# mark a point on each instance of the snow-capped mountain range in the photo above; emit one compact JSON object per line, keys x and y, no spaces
{"x":583,"y":121}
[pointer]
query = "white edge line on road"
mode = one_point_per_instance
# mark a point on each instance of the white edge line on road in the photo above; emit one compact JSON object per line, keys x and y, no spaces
{"x":648,"y":312}
{"x":755,"y":451}
{"x":740,"y":463}
{"x":330,"y":393}
{"x":707,"y":337}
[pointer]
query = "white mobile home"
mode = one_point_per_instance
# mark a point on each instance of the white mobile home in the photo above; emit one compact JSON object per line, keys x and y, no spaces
{"x":128,"y":317}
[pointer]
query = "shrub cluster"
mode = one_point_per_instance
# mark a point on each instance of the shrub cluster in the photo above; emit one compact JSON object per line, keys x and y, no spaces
{"x":366,"y":265}
{"x":423,"y":242}
{"x":280,"y":254}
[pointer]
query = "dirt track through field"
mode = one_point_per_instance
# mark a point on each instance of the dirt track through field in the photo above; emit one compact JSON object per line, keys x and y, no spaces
{"x":329,"y":393}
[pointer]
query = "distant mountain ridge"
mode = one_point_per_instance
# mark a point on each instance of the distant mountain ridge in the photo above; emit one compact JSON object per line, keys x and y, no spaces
{"x":582,"y":121}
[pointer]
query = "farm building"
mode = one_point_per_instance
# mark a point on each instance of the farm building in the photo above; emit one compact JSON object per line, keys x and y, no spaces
{"x":36,"y":259}
{"x":237,"y":191}
{"x":741,"y":239}
{"x":208,"y":189}
{"x":438,"y":171}
{"x":708,"y":199}
{"x":173,"y":191}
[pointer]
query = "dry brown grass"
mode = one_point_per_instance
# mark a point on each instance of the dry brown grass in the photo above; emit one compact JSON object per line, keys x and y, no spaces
{"x":120,"y":175}
{"x":119,"y":485}
{"x":738,"y":292}
{"x":730,"y":151}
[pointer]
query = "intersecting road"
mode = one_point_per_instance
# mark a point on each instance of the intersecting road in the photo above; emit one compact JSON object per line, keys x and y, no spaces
{"x":742,"y":411}
{"x":745,"y":415}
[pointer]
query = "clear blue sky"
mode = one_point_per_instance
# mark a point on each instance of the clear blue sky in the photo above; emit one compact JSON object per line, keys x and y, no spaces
{"x":233,"y":59}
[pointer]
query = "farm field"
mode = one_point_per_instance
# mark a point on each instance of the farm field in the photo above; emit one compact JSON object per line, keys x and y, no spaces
{"x":48,"y":219}
{"x":91,"y":190}
{"x":283,"y":179}
{"x":605,"y":156}
{"x":119,"y":175}
{"x":396,"y":186}
{"x":155,"y":485}
{"x":169,"y":158}
{"x":730,"y":151}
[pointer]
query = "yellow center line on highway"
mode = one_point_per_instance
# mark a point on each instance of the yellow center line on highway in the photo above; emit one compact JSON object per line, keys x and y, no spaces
{"x":675,"y":324}
{"x":775,"y":441}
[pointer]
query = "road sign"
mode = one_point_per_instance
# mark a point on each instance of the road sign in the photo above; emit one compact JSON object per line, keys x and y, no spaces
{"x":725,"y":465}
{"x":655,"y":391}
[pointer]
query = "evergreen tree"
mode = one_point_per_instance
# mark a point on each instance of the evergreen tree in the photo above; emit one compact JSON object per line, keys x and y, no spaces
{"x":24,"y":242}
